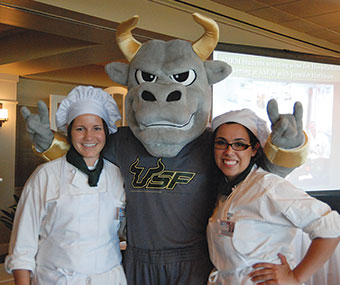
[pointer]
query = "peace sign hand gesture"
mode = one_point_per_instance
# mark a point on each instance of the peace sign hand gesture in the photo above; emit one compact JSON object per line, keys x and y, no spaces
{"x":38,"y":126}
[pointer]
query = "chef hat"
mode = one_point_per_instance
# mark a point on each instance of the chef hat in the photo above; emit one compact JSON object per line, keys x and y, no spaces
{"x":246,"y":118}
{"x":87,"y":100}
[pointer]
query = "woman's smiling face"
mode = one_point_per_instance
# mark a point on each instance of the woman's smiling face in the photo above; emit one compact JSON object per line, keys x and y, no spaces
{"x":88,"y":137}
{"x":229,"y":161}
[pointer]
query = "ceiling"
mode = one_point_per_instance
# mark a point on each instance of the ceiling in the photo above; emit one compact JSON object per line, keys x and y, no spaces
{"x":318,"y":18}
{"x":42,"y":42}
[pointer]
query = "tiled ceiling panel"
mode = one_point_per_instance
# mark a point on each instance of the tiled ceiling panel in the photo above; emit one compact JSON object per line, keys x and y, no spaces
{"x":272,"y":14}
{"x":328,"y":20}
{"x":243,"y":5}
{"x":319,"y":18}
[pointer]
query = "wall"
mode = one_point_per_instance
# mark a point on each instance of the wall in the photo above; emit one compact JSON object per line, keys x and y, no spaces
{"x":30,"y":91}
{"x":8,"y":98}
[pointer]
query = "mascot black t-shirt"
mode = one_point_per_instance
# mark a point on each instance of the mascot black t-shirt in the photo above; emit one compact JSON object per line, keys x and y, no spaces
{"x":171,"y":197}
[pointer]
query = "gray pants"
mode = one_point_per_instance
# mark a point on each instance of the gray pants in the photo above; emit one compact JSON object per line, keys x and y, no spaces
{"x":182,"y":266}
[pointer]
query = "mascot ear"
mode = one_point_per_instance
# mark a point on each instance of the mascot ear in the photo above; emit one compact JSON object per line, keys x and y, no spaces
{"x":216,"y":70}
{"x":118,"y":72}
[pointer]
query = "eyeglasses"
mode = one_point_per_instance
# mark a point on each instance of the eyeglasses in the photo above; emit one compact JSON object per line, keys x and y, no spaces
{"x":223,"y":145}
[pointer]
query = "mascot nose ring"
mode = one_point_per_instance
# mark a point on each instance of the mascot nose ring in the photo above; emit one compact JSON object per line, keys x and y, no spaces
{"x":173,"y":96}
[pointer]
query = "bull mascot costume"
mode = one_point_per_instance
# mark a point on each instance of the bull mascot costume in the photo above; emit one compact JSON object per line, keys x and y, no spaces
{"x":165,"y":153}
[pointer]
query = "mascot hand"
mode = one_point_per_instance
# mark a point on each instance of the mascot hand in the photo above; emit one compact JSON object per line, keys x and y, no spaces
{"x":287,"y":129}
{"x":38,"y":126}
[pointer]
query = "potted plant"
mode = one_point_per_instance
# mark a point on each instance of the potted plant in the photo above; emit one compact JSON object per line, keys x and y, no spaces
{"x":7,"y":217}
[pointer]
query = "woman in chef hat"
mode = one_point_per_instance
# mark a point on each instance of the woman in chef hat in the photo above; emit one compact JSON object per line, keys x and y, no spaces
{"x":67,"y":219}
{"x":258,"y":213}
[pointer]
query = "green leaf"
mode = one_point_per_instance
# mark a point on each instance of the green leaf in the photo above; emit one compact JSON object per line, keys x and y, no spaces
{"x":8,"y":214}
{"x":6,"y":223}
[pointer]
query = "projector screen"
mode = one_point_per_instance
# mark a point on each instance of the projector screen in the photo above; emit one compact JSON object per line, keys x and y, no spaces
{"x":256,"y":79}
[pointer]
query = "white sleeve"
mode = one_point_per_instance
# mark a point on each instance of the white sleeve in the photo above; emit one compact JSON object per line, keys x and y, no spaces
{"x":26,"y":227}
{"x":311,"y":215}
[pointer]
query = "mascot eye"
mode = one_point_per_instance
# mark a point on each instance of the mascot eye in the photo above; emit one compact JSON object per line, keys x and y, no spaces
{"x":185,"y":78}
{"x":142,"y":76}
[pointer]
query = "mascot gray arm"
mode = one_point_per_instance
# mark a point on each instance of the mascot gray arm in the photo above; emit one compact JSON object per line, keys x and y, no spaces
{"x":287,"y":146}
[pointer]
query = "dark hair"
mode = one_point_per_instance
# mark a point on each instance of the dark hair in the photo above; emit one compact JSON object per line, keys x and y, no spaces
{"x":259,"y":157}
{"x":69,"y":128}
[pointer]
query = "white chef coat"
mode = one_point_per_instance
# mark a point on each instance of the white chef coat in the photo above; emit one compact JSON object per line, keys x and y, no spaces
{"x":258,"y":220}
{"x":65,"y":232}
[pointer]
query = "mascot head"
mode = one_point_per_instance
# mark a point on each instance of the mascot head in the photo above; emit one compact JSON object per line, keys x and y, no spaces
{"x":169,"y":86}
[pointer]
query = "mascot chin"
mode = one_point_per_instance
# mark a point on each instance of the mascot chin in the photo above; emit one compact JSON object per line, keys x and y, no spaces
{"x":165,"y":153}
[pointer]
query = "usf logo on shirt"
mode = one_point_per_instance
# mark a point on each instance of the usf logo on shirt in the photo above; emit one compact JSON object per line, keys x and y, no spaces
{"x":158,"y":177}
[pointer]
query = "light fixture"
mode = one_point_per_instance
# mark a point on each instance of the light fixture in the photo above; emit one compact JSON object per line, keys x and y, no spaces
{"x":3,"y":115}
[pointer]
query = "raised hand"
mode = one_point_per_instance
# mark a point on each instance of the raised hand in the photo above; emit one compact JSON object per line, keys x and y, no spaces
{"x":270,"y":274}
{"x":287,"y":131}
{"x":38,"y":126}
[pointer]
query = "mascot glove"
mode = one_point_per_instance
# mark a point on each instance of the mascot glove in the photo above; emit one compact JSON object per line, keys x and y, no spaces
{"x":288,"y":158}
{"x":287,"y":131}
{"x":38,"y":126}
